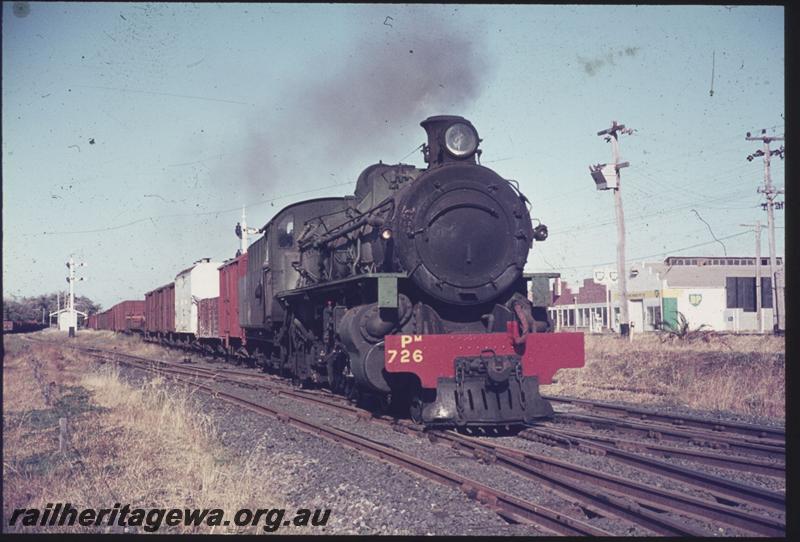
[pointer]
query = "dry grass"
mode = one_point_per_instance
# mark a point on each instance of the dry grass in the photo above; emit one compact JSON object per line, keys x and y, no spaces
{"x":144,"y":446}
{"x":738,"y":374}
{"x":130,"y":344}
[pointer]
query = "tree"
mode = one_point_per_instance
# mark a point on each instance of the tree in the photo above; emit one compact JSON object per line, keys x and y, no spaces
{"x":30,"y":308}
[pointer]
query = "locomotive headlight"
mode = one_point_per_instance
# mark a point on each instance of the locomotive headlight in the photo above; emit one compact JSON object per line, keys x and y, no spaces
{"x":386,"y":234}
{"x":461,"y":140}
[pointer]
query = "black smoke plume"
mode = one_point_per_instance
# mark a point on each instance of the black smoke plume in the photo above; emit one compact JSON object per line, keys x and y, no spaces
{"x":367,"y":104}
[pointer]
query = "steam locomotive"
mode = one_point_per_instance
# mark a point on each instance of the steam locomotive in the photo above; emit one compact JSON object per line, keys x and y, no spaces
{"x":409,"y":293}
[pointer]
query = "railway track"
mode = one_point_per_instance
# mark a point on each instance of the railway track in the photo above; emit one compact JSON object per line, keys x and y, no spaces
{"x":663,"y":432}
{"x":574,"y":479}
{"x":765,"y":434}
{"x":602,"y":494}
{"x":566,"y":438}
{"x":509,"y":507}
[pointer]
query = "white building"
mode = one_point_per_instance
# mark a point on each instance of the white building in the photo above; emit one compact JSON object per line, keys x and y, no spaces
{"x":716,"y":292}
{"x":66,"y":318}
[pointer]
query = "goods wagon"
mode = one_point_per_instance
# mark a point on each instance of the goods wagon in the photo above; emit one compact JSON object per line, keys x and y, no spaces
{"x":22,"y":326}
{"x":230,"y":274}
{"x":201,"y":281}
{"x":105,"y":320}
{"x":128,"y":316}
{"x":208,"y":318}
{"x":159,"y":310}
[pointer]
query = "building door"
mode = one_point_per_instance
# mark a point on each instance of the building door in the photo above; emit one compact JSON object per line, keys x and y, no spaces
{"x":637,"y":315}
{"x":669,"y":311}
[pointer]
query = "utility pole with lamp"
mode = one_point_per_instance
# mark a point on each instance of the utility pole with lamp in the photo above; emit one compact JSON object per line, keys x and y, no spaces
{"x":770,"y":192}
{"x":606,"y":177}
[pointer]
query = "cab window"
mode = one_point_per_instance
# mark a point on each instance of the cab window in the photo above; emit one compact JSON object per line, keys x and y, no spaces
{"x":286,"y":232}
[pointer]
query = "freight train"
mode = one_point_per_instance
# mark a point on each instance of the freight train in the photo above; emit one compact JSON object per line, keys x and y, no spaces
{"x":410,"y":293}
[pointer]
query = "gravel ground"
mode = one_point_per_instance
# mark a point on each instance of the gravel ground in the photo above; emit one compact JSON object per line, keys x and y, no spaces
{"x":368,"y":496}
{"x":365,"y":495}
{"x":491,"y":475}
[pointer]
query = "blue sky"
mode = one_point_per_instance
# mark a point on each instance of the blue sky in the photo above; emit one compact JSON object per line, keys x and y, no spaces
{"x":134,"y":133}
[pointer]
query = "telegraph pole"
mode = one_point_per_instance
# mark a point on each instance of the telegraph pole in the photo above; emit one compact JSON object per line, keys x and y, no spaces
{"x":611,"y":176}
{"x":769,"y":193}
{"x":757,"y":226}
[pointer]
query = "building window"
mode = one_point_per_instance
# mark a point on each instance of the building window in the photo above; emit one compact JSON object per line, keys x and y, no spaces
{"x":741,"y":293}
{"x":654,"y":316}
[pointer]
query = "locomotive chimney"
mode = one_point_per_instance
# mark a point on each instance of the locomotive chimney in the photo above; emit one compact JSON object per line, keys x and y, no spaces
{"x":450,"y":139}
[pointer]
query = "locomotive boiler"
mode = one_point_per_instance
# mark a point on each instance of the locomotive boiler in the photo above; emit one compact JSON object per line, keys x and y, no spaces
{"x":410,"y":292}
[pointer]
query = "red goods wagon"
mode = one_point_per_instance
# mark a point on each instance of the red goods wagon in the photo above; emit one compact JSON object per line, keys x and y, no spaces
{"x":104,"y":320}
{"x":128,"y":316}
{"x":229,"y":275}
{"x":159,"y":313}
{"x":92,"y":321}
{"x":150,"y":320}
{"x":208,"y":318}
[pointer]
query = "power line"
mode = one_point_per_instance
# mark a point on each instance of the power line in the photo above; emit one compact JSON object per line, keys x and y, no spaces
{"x":204,"y":213}
{"x":156,"y":93}
{"x":418,"y":147}
{"x":592,"y":223}
{"x":586,"y":226}
{"x":662,"y":253}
